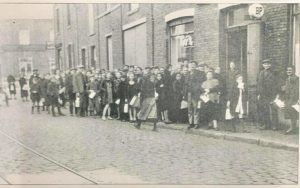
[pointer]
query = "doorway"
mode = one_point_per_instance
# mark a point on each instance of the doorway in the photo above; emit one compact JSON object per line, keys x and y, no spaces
{"x":237,"y":50}
{"x":83,"y":57}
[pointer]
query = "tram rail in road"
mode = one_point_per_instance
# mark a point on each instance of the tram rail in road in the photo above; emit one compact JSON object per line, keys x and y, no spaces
{"x":44,"y":157}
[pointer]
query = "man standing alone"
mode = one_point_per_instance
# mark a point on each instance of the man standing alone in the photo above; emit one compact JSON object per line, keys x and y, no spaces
{"x":266,"y":93}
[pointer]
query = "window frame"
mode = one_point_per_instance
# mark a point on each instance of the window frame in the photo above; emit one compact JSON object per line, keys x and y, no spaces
{"x":296,"y":34}
{"x":57,"y":12}
{"x":69,"y":22}
{"x":133,"y":10}
{"x":174,"y":23}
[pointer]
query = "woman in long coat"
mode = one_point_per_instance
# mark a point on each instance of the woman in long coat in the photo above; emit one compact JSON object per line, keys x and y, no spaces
{"x":162,"y":102}
{"x":177,"y":91}
{"x":123,"y":96}
{"x":24,"y":90}
{"x":148,"y":102}
{"x":108,"y":95}
{"x":291,"y":97}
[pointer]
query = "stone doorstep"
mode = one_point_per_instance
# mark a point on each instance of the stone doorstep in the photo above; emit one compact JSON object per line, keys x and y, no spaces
{"x":227,"y":136}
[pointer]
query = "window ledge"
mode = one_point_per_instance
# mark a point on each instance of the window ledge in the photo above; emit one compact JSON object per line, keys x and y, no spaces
{"x":132,"y":11}
{"x":108,"y":11}
{"x":91,"y":34}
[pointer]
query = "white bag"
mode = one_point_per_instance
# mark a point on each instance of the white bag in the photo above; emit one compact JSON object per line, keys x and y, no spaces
{"x":279,"y":103}
{"x":184,"y":104}
{"x":92,"y":94}
{"x":204,"y":98}
{"x":133,"y":100}
{"x":77,"y":102}
{"x":62,"y":90}
{"x":228,"y":115}
{"x":25,"y":87}
{"x":11,"y":87}
{"x":60,"y":101}
{"x":296,"y":107}
{"x":199,"y":104}
{"x":117,"y":101}
{"x":126,"y":108}
{"x":41,"y":103}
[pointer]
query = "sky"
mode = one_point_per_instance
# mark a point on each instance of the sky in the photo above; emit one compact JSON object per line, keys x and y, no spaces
{"x":26,"y":11}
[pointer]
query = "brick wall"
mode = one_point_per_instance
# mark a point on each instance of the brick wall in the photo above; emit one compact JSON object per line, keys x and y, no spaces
{"x":111,"y":24}
{"x":206,"y":23}
{"x":276,"y":36}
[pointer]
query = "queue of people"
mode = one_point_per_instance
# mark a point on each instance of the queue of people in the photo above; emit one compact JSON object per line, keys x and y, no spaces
{"x":192,"y":93}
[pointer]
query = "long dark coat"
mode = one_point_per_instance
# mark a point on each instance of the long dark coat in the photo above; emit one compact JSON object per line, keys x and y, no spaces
{"x":193,"y":82}
{"x":230,"y":82}
{"x":291,"y":97}
{"x":267,"y":85}
{"x":78,"y":83}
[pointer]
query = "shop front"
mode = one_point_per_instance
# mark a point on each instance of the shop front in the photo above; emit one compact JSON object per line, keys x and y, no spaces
{"x":243,"y":45}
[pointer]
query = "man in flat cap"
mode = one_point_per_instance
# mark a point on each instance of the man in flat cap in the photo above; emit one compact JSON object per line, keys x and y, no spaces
{"x":79,"y":87}
{"x":266,"y":93}
{"x":69,"y":89}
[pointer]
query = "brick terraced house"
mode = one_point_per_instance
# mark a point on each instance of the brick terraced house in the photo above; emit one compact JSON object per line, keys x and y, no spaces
{"x":108,"y":36}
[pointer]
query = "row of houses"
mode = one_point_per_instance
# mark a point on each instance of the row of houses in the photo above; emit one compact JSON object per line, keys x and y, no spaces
{"x":111,"y":35}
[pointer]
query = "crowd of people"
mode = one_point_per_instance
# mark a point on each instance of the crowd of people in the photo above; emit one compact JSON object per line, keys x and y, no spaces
{"x":193,"y":93}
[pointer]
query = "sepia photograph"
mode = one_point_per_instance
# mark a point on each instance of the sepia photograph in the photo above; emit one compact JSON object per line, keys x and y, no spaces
{"x":137,"y":93}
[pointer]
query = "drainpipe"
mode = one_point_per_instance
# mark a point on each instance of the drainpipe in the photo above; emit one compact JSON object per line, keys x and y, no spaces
{"x":290,"y":41}
{"x":152,"y":25}
{"x":98,"y":38}
{"x":122,"y":34}
{"x":77,"y":40}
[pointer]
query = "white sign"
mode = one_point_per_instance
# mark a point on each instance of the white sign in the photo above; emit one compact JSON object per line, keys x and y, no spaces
{"x":188,"y":41}
{"x":256,"y":10}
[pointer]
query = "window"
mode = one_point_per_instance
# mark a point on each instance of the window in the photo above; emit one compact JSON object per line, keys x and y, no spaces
{"x":83,"y":57}
{"x":109,"y":51}
{"x":57,"y":21}
{"x":70,"y":55}
{"x":24,"y":37}
{"x":133,"y":6}
{"x":181,"y":40}
{"x":93,"y":56}
{"x":59,"y":58}
{"x":296,"y":38}
{"x":51,"y":35}
{"x":68,"y":14}
{"x":237,"y":16}
{"x":25,"y":65}
{"x":91,"y":19}
{"x":135,"y":46}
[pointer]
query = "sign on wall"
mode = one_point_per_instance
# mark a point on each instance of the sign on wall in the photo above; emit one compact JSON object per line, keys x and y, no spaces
{"x":188,"y":41}
{"x":256,"y":11}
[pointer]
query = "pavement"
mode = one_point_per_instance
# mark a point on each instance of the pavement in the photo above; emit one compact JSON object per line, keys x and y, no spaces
{"x":40,"y":149}
{"x":266,"y":138}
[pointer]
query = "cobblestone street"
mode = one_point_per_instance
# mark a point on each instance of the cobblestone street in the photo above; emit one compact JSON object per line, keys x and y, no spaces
{"x":93,"y":151}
